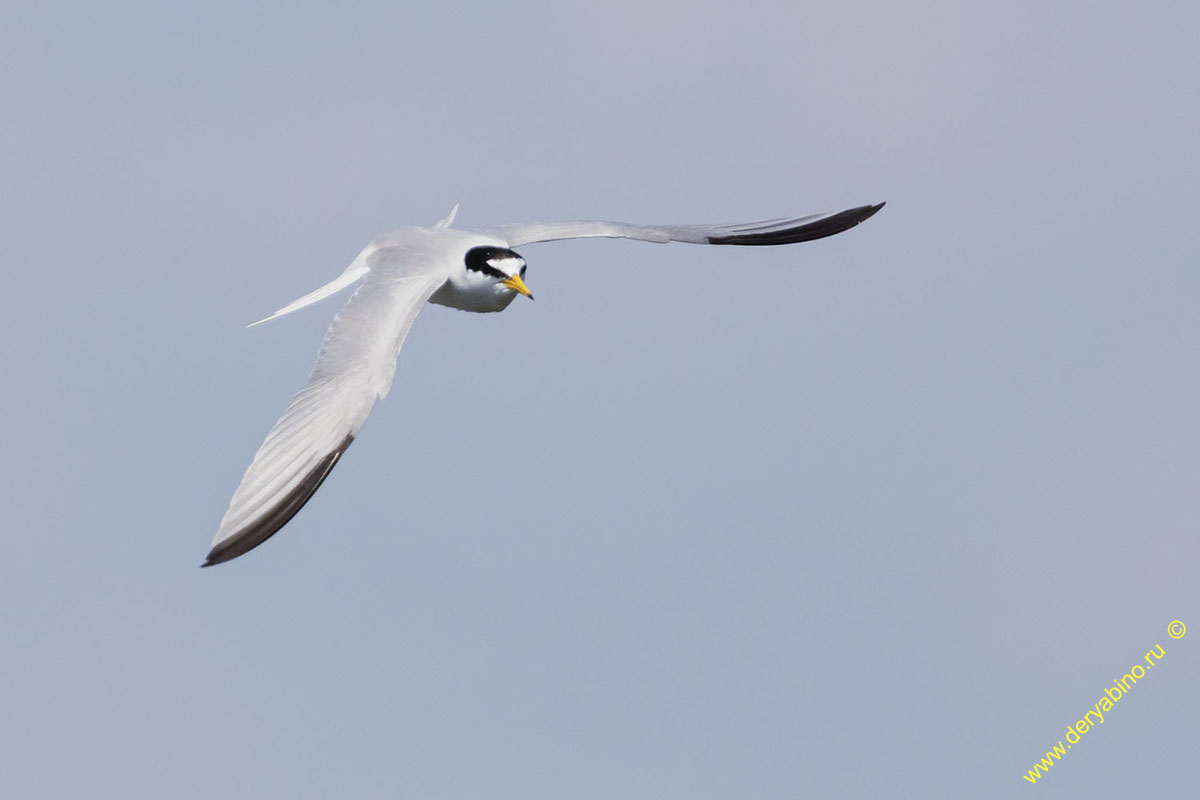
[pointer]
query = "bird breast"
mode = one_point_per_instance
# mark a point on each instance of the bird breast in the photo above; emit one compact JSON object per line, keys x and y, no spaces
{"x":479,"y":296}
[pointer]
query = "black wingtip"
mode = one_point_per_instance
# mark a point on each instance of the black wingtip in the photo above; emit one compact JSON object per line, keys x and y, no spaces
{"x":269,"y":523}
{"x":826,"y":226}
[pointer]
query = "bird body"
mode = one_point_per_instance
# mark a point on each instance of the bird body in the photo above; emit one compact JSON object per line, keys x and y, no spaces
{"x":469,"y":270}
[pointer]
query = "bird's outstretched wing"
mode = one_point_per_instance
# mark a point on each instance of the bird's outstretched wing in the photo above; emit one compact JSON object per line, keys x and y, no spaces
{"x":355,"y":367}
{"x":767,"y":232}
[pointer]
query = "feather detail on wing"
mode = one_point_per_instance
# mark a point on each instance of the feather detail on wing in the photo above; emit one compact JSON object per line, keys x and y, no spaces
{"x":355,"y":367}
{"x":767,"y":232}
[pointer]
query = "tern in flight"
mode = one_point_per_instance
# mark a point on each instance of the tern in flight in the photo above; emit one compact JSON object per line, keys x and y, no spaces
{"x":400,"y":272}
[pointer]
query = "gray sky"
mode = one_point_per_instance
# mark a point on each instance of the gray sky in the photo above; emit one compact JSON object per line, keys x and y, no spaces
{"x":875,"y":516}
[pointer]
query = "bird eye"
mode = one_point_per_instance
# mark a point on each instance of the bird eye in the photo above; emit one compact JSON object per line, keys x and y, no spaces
{"x":523,"y":267}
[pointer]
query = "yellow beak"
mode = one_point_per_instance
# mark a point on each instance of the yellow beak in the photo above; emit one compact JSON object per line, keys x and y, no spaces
{"x":517,"y":285}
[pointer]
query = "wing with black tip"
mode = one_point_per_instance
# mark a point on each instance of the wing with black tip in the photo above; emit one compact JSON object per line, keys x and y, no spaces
{"x":355,"y":367}
{"x":786,"y":230}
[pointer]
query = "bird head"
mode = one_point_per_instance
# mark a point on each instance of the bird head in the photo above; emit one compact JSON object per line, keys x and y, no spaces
{"x":499,"y":265}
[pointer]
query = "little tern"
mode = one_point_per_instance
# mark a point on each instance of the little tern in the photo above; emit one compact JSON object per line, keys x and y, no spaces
{"x":401,"y":271}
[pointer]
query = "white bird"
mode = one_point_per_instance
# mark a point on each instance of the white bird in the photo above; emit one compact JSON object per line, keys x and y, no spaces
{"x":400,"y":272}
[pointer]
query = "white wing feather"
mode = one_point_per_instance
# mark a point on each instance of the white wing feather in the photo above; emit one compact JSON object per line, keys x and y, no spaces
{"x":355,"y":367}
{"x":786,"y":230}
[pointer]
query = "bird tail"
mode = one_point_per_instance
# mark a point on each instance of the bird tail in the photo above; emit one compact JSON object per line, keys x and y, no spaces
{"x":352,"y":273}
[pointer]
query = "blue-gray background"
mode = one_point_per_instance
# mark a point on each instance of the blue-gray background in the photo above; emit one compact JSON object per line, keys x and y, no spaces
{"x":876,"y":516}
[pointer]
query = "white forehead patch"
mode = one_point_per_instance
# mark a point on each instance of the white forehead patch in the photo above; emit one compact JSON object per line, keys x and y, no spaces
{"x":509,"y":265}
